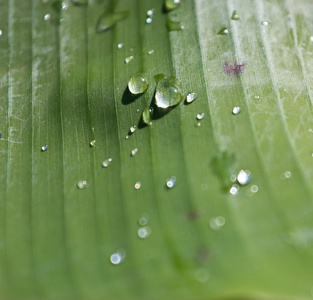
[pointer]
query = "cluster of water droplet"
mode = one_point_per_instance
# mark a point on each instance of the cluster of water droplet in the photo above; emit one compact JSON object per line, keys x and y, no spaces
{"x":144,"y":230}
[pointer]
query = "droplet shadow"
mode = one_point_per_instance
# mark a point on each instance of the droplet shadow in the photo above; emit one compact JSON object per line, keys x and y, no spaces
{"x":128,"y":97}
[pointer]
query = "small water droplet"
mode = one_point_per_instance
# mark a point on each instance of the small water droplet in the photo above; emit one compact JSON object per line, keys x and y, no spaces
{"x":174,"y":25}
{"x":144,"y":232}
{"x":198,"y":124}
{"x":138,"y":84}
{"x":244,"y":177}
{"x":144,"y":220}
{"x":92,"y":143}
{"x":44,"y":148}
{"x":137,"y":185}
{"x":134,"y":152}
{"x":151,"y":52}
{"x":128,"y":59}
{"x":109,"y":19}
{"x":127,"y":137}
{"x":202,"y":275}
{"x":223,"y":31}
{"x":234,"y":190}
{"x":47,"y":17}
{"x":234,"y":16}
{"x":150,"y":12}
{"x":149,"y":20}
{"x":217,"y":223}
{"x":236,"y":110}
{"x":146,"y":116}
{"x":64,"y":6}
{"x":254,"y":188}
{"x":171,"y":182}
{"x":132,"y":129}
{"x":106,"y":163}
{"x":311,"y":38}
{"x":120,"y":46}
{"x":233,"y":178}
{"x":171,"y":4}
{"x":117,"y":257}
{"x":256,"y":97}
{"x":191,"y":97}
{"x":82,"y":184}
{"x":200,"y":116}
{"x":265,"y":23}
{"x":287,"y":174}
{"x":167,"y":93}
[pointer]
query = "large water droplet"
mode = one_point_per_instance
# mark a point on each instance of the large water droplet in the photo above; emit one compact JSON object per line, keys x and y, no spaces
{"x":171,"y":182}
{"x":144,"y":232}
{"x":146,"y":116}
{"x":44,"y":148}
{"x":236,"y":110}
{"x":171,"y":4}
{"x":109,"y":19}
{"x":138,"y":84}
{"x":244,"y":177}
{"x":168,"y":93}
{"x":80,"y":2}
{"x":82,"y":184}
{"x":191,"y":97}
{"x":174,"y":25}
{"x":106,"y":163}
{"x":234,"y":16}
{"x":223,"y":31}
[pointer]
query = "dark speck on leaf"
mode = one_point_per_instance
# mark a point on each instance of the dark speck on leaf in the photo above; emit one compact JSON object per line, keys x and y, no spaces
{"x":234,"y":69}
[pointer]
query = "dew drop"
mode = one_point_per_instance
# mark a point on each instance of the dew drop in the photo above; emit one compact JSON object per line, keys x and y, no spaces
{"x":150,"y":12}
{"x":168,"y":93}
{"x":234,"y":16}
{"x":144,"y":232}
{"x":128,"y":59}
{"x":256,"y":97}
{"x":200,"y":116}
{"x":146,"y":116}
{"x":47,"y":17}
{"x":202,"y":275}
{"x":171,"y":4}
{"x":151,"y":52}
{"x":233,"y":178}
{"x":234,"y":190}
{"x":236,"y":110}
{"x":137,"y":185}
{"x":287,"y":174}
{"x":92,"y":143}
{"x":109,"y":19}
{"x":120,"y":46}
{"x":223,"y":31}
{"x":244,"y":177}
{"x":117,"y":257}
{"x":138,"y":84}
{"x":254,"y":188}
{"x":144,"y":220}
{"x":198,"y":124}
{"x":64,"y":6}
{"x":44,"y":148}
{"x":149,"y":20}
{"x":132,"y":129}
{"x":217,"y":223}
{"x":106,"y":163}
{"x":265,"y":23}
{"x":174,"y":25}
{"x":311,"y":38}
{"x":134,"y":152}
{"x":171,"y":182}
{"x":191,"y":97}
{"x":82,"y":184}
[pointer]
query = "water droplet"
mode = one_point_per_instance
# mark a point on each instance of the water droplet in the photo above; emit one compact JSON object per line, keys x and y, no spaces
{"x":256,"y":97}
{"x":128,"y":59}
{"x":109,"y":19}
{"x":120,"y":46}
{"x":151,"y":52}
{"x":200,"y":116}
{"x":286,"y":174}
{"x":47,"y":17}
{"x":80,"y":2}
{"x":311,"y":38}
{"x":92,"y":143}
{"x":171,"y":182}
{"x":233,"y":178}
{"x":144,"y":220}
{"x":191,"y":97}
{"x":150,"y":12}
{"x":202,"y":275}
{"x":117,"y":257}
{"x":223,"y":31}
{"x":138,"y":84}
{"x":171,"y":4}
{"x":167,"y":93}
{"x":127,"y":137}
{"x":234,"y":190}
{"x":44,"y":148}
{"x":174,"y":25}
{"x":265,"y":23}
{"x":234,"y":16}
{"x":236,"y":110}
{"x":244,"y":177}
{"x":106,"y":163}
{"x":132,"y":129}
{"x":149,"y":20}
{"x":254,"y":188}
{"x":137,"y":185}
{"x":144,"y":232}
{"x":217,"y":223}
{"x":82,"y":184}
{"x":134,"y":152}
{"x":64,"y":6}
{"x":146,"y":116}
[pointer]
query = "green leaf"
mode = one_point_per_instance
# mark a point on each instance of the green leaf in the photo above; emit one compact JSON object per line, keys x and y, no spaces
{"x":157,"y":212}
